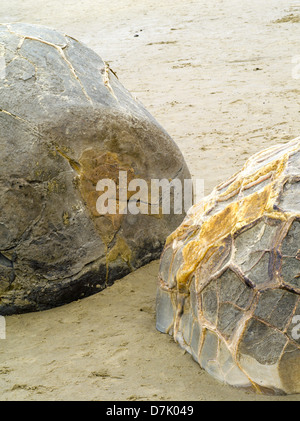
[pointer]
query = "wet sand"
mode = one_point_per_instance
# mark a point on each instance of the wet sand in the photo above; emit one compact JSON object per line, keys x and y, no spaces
{"x":222,"y":78}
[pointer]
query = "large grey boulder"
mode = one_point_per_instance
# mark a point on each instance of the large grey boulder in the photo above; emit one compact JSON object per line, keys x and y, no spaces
{"x":229,"y":282}
{"x":66,"y":122}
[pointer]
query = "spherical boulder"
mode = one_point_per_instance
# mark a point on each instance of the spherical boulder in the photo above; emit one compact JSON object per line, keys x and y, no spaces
{"x":229,"y":281}
{"x":66,"y":123}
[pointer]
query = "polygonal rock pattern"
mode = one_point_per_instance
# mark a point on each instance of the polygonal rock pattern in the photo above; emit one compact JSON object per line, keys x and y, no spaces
{"x":229,"y":281}
{"x":66,"y":122}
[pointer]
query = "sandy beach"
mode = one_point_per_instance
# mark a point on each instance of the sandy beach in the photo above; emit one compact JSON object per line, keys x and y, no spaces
{"x":223,"y":78}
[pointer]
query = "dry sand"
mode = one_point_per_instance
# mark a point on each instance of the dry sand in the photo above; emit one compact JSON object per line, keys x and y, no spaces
{"x":217,"y":74}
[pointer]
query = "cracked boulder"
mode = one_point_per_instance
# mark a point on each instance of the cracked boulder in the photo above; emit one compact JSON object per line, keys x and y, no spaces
{"x":66,"y":123}
{"x":229,"y":279}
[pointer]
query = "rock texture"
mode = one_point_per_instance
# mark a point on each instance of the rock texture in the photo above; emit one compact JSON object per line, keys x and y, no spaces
{"x":65,"y":123}
{"x":229,"y":282}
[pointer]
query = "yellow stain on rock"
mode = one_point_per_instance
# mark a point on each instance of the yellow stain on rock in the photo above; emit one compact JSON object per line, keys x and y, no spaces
{"x":211,"y":230}
{"x":94,"y":166}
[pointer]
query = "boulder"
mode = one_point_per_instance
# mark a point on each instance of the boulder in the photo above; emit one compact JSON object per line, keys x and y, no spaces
{"x":66,"y":123}
{"x":229,"y":281}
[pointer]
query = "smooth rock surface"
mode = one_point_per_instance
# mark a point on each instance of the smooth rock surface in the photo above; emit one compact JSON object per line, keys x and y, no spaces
{"x":231,"y":274}
{"x":65,"y":123}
